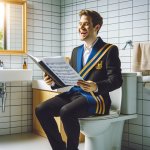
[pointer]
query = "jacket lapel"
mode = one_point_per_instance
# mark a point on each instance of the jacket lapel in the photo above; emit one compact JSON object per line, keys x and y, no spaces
{"x":79,"y":58}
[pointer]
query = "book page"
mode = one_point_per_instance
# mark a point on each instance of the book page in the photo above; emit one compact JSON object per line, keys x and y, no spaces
{"x":35,"y":59}
{"x":62,"y":70}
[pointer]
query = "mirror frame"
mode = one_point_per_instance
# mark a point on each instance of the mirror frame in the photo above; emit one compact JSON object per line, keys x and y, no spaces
{"x":24,"y":36}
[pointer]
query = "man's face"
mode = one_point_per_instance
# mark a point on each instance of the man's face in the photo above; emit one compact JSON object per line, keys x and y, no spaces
{"x":85,"y":28}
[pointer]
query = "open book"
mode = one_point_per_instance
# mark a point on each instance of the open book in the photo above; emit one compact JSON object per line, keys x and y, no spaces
{"x":57,"y":68}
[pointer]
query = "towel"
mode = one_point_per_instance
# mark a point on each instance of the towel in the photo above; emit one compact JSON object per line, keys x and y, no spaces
{"x":141,"y":57}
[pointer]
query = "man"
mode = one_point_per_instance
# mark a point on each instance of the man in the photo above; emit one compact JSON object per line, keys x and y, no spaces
{"x":99,"y":65}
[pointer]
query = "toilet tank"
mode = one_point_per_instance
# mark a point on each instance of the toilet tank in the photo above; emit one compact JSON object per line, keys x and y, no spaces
{"x":129,"y":93}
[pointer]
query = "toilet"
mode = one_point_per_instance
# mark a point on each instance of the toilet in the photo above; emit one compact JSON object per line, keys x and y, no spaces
{"x":105,"y":132}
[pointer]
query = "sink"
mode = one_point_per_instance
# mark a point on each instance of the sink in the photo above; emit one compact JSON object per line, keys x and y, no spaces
{"x":7,"y":75}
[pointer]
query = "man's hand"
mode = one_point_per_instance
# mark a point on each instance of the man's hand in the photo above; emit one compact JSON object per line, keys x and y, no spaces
{"x":88,"y":86}
{"x":48,"y":80}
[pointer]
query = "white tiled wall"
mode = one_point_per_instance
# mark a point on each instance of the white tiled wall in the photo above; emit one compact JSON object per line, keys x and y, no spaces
{"x":17,"y":117}
{"x":52,"y":30}
{"x":43,"y":30}
{"x":136,"y":132}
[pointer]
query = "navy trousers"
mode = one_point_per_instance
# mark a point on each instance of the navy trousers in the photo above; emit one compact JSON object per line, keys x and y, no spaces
{"x":70,"y":107}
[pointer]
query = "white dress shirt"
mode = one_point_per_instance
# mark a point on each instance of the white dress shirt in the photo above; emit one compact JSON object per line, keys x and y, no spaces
{"x":87,"y":52}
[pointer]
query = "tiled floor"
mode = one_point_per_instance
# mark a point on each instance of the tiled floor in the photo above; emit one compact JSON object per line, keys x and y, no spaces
{"x":27,"y":141}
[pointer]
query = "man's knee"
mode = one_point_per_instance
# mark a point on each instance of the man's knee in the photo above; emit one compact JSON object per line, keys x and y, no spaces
{"x":64,"y":113}
{"x":38,"y":110}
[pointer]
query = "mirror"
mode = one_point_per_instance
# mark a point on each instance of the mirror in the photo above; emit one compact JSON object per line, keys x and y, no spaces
{"x":13,"y":27}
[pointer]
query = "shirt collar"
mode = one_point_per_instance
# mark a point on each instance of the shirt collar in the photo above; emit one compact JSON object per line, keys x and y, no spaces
{"x":90,"y":48}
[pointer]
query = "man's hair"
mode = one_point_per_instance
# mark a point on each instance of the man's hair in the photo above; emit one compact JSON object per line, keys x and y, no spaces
{"x":95,"y":16}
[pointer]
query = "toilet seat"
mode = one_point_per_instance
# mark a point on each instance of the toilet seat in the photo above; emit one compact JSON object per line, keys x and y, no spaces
{"x":112,"y":114}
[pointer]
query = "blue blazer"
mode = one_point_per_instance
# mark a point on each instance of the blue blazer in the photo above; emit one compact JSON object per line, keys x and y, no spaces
{"x":107,"y":72}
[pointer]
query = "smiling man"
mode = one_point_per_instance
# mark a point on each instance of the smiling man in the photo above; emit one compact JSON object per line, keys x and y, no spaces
{"x":99,"y":65}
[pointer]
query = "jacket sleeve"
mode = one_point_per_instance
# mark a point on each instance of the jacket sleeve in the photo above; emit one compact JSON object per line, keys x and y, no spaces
{"x":72,"y":60}
{"x":113,"y":69}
